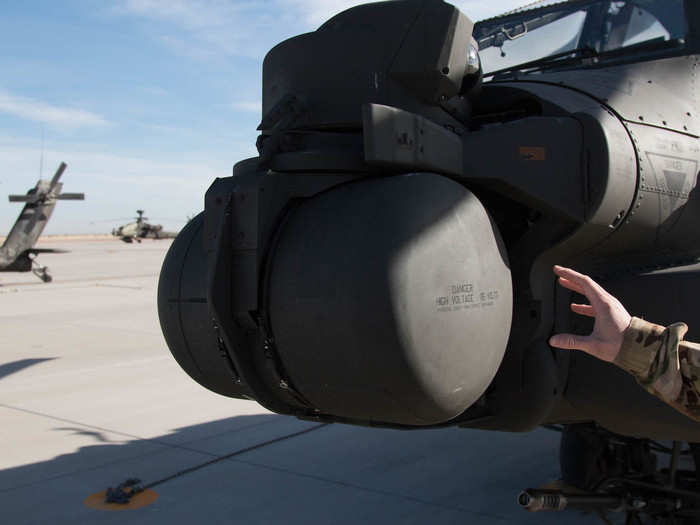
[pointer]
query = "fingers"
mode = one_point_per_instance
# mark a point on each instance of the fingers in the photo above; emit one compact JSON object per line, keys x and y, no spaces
{"x":571,"y":342}
{"x":564,"y":271}
{"x":583,"y":309}
{"x":570,"y":285}
{"x":582,"y":284}
{"x":570,"y":275}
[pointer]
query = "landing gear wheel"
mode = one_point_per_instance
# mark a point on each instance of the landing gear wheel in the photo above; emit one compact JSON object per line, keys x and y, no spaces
{"x":645,"y":477}
{"x":581,"y":456}
{"x":42,"y":272}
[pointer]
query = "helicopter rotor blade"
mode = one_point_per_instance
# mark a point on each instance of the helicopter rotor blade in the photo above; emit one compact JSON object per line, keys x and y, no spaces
{"x":54,"y":180}
{"x":22,"y":198}
{"x":71,"y":197}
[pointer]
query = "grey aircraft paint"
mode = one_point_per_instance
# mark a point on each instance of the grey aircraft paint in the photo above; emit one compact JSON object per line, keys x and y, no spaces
{"x":17,"y":254}
{"x":386,"y":259}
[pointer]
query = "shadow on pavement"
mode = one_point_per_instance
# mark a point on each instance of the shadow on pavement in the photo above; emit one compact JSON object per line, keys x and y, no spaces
{"x":330,"y":474}
{"x":16,"y":366}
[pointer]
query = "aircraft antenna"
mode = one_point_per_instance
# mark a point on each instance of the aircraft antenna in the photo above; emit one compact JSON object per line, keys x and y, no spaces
{"x":41,"y":157}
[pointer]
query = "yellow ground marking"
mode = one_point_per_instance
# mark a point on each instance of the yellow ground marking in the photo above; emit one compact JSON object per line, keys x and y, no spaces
{"x":97,"y":501}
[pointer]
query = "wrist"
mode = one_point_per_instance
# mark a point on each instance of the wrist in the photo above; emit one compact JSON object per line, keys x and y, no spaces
{"x":639,"y":345}
{"x":619,"y":340}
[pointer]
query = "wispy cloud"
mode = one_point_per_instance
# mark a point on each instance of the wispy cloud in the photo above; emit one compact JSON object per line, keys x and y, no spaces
{"x":207,"y":29}
{"x":155,"y":91}
{"x":248,"y":106}
{"x":191,"y":13}
{"x":39,"y":111}
{"x":186,"y":47}
{"x":315,"y":12}
{"x":115,"y":182}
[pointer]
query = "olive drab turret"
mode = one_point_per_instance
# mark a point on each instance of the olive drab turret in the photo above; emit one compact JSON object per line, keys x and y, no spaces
{"x":386,"y":259}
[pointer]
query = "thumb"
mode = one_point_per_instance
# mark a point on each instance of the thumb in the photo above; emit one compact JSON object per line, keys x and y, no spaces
{"x":571,"y":342}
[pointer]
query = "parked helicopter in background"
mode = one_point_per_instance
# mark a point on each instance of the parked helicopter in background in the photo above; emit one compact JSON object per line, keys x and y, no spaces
{"x":140,"y":229}
{"x":17,"y":254}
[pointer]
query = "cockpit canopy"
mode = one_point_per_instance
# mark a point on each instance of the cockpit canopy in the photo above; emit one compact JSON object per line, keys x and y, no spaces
{"x":554,"y":34}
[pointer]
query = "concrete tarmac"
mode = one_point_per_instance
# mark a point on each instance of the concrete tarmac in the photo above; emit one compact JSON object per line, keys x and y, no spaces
{"x":90,"y":396}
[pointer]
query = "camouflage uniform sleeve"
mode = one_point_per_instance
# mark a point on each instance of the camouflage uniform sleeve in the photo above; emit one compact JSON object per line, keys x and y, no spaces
{"x":663,"y":364}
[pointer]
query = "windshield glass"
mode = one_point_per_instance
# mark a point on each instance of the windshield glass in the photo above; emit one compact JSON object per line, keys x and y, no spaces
{"x":594,"y":26}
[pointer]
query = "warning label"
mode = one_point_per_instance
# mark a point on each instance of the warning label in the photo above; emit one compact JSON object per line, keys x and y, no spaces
{"x":463,"y":296}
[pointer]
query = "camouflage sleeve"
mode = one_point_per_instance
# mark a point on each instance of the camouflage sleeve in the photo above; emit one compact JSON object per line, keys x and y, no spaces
{"x":663,"y":363}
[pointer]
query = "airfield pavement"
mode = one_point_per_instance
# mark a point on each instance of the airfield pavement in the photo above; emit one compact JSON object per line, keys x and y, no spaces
{"x":90,"y":396}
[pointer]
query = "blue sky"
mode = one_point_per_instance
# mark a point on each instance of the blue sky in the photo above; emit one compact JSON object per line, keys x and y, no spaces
{"x":147,"y":101}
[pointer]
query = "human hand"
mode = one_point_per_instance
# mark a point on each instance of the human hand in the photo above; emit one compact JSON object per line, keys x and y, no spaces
{"x":611,"y":318}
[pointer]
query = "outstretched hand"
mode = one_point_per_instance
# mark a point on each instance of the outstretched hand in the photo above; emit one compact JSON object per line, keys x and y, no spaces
{"x":611,"y":318}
